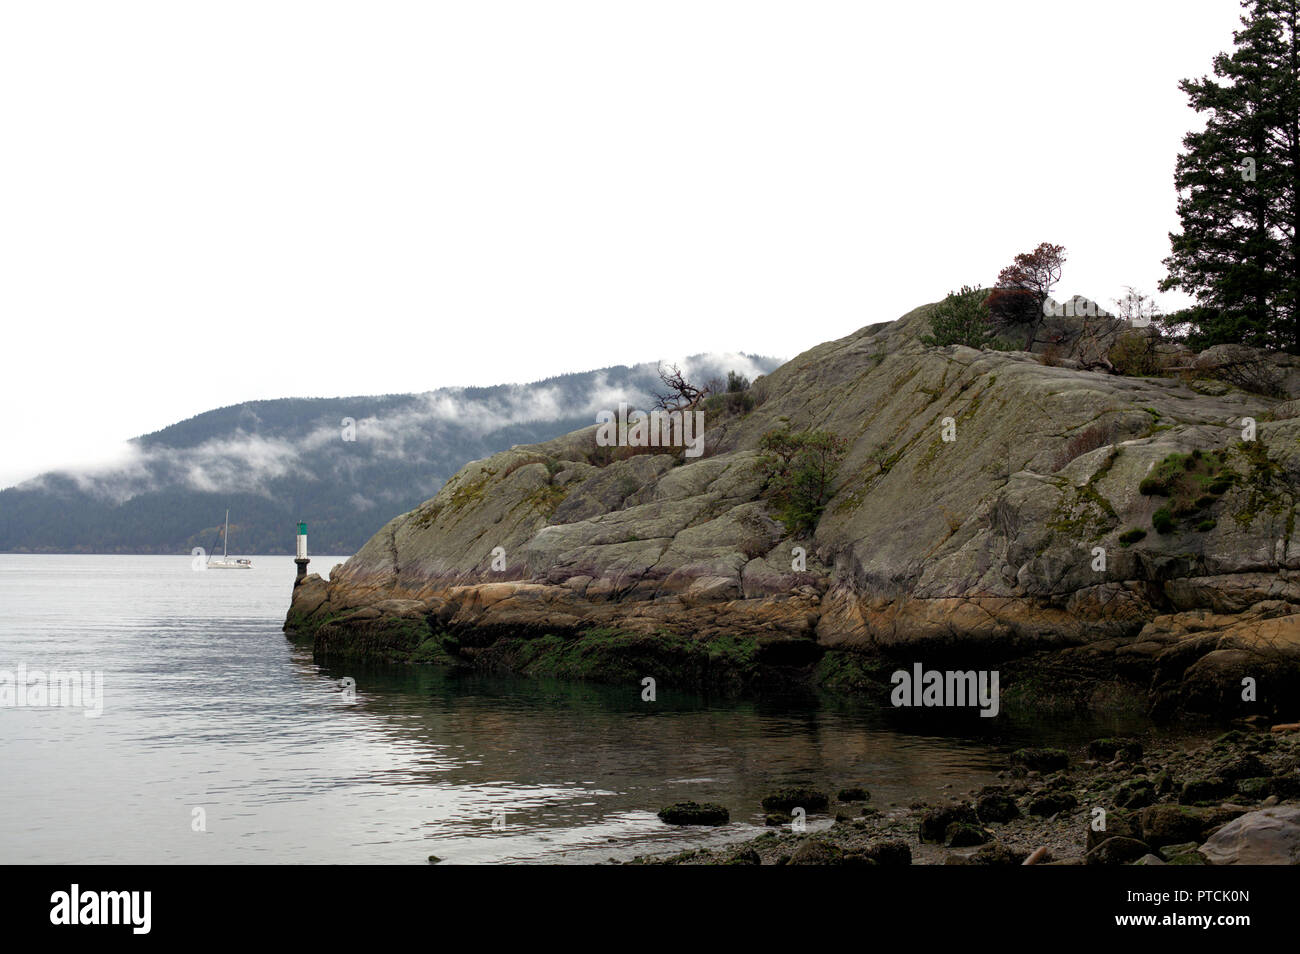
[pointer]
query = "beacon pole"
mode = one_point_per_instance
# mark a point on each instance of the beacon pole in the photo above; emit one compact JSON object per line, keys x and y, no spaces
{"x":301,"y":558}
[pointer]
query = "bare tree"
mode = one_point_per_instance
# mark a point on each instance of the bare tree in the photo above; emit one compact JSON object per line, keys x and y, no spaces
{"x":680,"y":395}
{"x":1137,"y":309}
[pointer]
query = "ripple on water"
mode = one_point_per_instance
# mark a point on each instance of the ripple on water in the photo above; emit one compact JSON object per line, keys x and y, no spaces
{"x":206,"y":706}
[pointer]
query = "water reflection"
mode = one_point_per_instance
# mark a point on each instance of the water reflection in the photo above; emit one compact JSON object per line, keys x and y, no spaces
{"x":207,"y":707}
{"x":580,"y":769}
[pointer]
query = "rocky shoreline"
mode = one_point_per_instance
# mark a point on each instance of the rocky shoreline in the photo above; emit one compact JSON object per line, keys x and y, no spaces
{"x":1233,"y":800}
{"x":992,"y":509}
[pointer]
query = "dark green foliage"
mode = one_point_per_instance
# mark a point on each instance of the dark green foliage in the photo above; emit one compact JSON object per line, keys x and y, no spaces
{"x":800,"y":467}
{"x":1132,"y":536}
{"x":1237,"y":181}
{"x":961,"y":318}
{"x":1192,"y":482}
{"x":1163,"y":520}
{"x":736,"y":399}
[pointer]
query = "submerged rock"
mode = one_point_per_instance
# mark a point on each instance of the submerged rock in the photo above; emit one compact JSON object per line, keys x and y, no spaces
{"x":788,"y":799}
{"x":1107,"y":750}
{"x":1041,"y":760}
{"x":694,"y":813}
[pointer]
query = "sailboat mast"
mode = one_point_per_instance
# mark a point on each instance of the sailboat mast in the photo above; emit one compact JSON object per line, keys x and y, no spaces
{"x":225,"y":536}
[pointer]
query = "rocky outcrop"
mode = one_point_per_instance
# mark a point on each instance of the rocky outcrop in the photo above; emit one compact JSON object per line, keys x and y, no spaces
{"x":1055,"y":519}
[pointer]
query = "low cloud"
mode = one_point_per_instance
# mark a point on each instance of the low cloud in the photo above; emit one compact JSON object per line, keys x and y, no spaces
{"x":416,"y":429}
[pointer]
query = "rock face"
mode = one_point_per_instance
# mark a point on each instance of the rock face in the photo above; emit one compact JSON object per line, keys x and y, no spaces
{"x":1028,"y":532}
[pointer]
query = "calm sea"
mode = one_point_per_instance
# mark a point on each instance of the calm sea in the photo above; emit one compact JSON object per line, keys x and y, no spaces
{"x":219,"y":742}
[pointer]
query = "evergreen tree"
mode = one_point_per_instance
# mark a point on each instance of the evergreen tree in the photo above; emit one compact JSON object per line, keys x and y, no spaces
{"x":961,"y":318}
{"x":1237,"y":182}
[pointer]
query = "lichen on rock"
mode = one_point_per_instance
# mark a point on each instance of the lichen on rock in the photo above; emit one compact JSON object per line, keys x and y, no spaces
{"x":1030,"y":530}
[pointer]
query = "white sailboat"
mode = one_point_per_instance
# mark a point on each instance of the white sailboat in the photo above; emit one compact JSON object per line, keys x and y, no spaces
{"x":225,"y":563}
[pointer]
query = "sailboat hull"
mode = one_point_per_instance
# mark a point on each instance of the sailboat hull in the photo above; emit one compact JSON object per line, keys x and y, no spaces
{"x":225,"y":563}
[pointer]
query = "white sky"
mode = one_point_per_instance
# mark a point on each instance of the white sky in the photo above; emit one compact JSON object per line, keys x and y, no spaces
{"x":205,"y":203}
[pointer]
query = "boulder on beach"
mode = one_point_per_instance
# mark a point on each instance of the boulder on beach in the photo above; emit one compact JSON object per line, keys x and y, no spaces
{"x":1270,"y":836}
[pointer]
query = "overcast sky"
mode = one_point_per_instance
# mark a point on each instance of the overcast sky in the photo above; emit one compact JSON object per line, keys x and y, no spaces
{"x":206,"y":203}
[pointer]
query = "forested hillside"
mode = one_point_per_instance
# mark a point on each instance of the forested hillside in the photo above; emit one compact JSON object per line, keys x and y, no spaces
{"x":345,"y":465}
